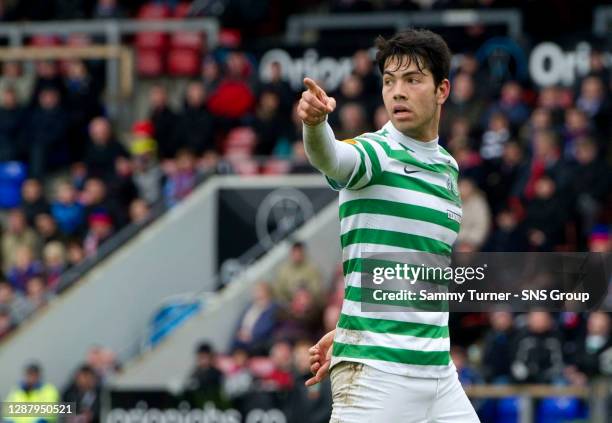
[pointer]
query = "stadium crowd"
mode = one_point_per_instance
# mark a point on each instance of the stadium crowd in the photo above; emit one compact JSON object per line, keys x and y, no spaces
{"x":535,"y":176}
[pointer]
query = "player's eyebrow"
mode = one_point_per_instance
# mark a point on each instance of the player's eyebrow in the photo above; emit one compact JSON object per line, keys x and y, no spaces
{"x":405,"y":74}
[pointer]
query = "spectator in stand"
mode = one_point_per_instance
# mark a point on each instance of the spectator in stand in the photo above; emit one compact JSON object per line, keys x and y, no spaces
{"x":96,"y":199}
{"x":195,"y":127}
{"x":45,"y":133}
{"x":307,"y":404}
{"x":139,"y":211}
{"x":47,"y":77}
{"x":511,"y":105}
{"x":33,"y":201}
{"x":476,"y":221}
{"x":66,"y":210}
{"x":164,"y":121}
{"x":499,"y":178}
{"x":74,"y":252}
{"x":121,"y":184}
{"x":15,"y":79}
{"x":6,"y":322}
{"x":540,"y":120}
{"x":497,"y":348}
{"x":352,"y":121}
{"x":545,"y":216}
{"x":206,"y":379}
{"x":258,"y":321}
{"x":280,"y":378}
{"x":546,"y":158}
{"x":78,"y":175}
{"x":276,"y":84}
{"x":594,"y":102}
{"x":11,"y":124}
{"x":462,"y":103}
{"x":467,"y":374}
{"x":82,"y":105}
{"x":54,"y":262}
{"x":102,"y":150}
{"x":576,"y":127}
{"x":495,"y":137}
{"x":351,"y":91}
{"x":381,"y":117}
{"x":594,"y":355}
{"x":32,"y":388}
{"x":508,"y":234}
{"x":538,"y":353}
{"x":103,"y":361}
{"x":17,"y":234}
{"x":47,"y":229}
{"x":590,"y":185}
{"x":100,"y":229}
{"x":363,"y":68}
{"x":37,"y":295}
{"x":25,"y":267}
{"x":211,"y":73}
{"x":551,"y":99}
{"x":302,"y":318}
{"x":239,"y":381}
{"x":270,"y":124}
{"x":234,"y":97}
{"x":14,"y":302}
{"x":147,"y":174}
{"x":84,"y":390}
{"x":298,"y":272}
{"x":183,"y":180}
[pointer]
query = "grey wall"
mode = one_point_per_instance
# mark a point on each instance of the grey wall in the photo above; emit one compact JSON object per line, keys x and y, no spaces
{"x":167,"y":366}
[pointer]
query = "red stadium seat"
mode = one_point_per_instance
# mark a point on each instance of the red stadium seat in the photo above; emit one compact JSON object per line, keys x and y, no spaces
{"x":192,"y":40}
{"x":149,"y":63}
{"x":152,"y":40}
{"x":182,"y":10}
{"x":44,"y":41}
{"x":154,"y":11}
{"x":78,"y":40}
{"x":183,"y":62}
{"x":229,"y":37}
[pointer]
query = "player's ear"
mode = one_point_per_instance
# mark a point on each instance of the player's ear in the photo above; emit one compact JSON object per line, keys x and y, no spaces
{"x":442,"y":91}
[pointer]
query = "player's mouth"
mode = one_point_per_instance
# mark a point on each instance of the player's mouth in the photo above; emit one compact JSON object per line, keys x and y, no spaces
{"x":401,"y":112}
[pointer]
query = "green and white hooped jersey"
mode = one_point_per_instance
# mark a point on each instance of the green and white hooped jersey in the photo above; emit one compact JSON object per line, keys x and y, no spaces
{"x":401,"y":197}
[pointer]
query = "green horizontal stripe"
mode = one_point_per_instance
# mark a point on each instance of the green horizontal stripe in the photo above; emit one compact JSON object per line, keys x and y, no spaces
{"x":396,"y":355}
{"x":407,"y":158}
{"x":367,"y":266}
{"x":420,"y":330}
{"x":393,"y":208}
{"x":415,"y":184}
{"x":397,"y":239}
{"x":366,"y":295}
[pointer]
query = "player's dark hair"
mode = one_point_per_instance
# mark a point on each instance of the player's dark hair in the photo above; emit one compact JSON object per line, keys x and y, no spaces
{"x":420,"y":46}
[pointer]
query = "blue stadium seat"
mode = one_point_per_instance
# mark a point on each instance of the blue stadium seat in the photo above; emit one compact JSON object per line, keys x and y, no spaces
{"x":559,"y":410}
{"x":12,"y":175}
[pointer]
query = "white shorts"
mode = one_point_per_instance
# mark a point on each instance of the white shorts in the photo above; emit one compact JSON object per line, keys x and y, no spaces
{"x":362,"y":394}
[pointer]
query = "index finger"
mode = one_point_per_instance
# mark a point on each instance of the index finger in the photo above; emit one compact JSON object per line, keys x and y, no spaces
{"x":314,"y":88}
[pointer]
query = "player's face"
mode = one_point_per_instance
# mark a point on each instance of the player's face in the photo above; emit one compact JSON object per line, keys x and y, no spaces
{"x":412,"y":99}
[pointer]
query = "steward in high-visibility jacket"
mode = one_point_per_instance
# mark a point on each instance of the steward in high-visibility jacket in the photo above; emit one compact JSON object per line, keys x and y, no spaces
{"x":31,"y":390}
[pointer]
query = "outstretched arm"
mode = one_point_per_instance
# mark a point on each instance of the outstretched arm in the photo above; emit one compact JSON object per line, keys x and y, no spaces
{"x":336,"y":160}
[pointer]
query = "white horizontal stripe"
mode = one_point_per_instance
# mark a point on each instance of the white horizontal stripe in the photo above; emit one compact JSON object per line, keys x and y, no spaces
{"x":368,"y":250}
{"x":406,"y":342}
{"x":400,"y":195}
{"x":398,"y":224}
{"x":401,"y":369}
{"x":354,"y":308}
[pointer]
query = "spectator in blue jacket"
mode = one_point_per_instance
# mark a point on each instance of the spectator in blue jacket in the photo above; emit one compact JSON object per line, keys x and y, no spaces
{"x":67,"y":211}
{"x":258,"y":321}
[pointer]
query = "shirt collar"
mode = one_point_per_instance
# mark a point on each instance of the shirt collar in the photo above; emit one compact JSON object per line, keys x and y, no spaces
{"x":421,"y":146}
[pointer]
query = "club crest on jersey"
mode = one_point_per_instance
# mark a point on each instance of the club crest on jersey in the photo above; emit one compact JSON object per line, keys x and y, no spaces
{"x":451,"y":184}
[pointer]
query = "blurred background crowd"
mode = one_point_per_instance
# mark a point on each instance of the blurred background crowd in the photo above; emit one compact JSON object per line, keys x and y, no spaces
{"x":534,"y":165}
